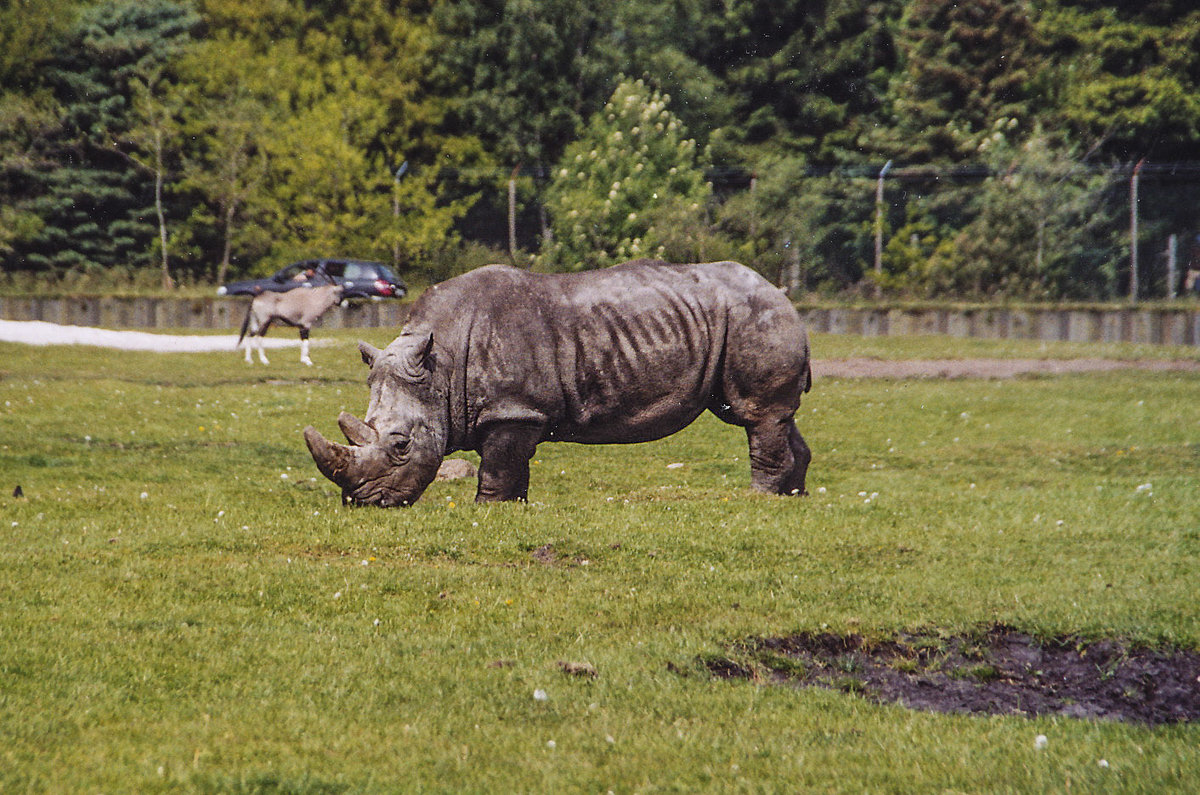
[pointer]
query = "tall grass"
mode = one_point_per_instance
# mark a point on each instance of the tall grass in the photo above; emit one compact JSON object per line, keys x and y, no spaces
{"x":187,"y":607}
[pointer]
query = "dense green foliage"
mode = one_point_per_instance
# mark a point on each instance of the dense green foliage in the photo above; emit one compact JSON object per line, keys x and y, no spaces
{"x":185,"y":606}
{"x":215,"y":138}
{"x":609,"y":207}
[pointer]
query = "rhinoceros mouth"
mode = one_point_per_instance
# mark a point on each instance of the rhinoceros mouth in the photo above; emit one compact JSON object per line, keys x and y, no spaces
{"x":367,"y":473}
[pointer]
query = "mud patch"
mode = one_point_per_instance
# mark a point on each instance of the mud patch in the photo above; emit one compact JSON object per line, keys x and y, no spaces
{"x":999,"y":672}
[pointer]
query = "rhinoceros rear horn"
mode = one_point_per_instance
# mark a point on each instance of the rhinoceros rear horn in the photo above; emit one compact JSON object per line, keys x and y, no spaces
{"x":369,"y":353}
{"x":356,"y":431}
{"x":334,"y":460}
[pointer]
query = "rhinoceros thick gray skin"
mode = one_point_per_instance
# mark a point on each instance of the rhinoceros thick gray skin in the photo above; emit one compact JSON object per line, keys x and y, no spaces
{"x":499,"y":359}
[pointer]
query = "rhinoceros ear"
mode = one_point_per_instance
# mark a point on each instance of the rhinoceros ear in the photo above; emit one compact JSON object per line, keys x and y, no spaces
{"x":416,"y":356}
{"x":369,"y":353}
{"x":424,"y":351}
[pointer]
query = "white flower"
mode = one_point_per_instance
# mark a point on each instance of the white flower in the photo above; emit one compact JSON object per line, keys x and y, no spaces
{"x":551,"y":744}
{"x":540,"y":695}
{"x":145,"y":496}
{"x":1040,"y":742}
{"x":1144,"y":488}
{"x":337,"y":595}
{"x":1103,"y":763}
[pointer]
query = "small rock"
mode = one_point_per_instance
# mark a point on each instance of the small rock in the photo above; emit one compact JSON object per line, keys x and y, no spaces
{"x":455,"y":468}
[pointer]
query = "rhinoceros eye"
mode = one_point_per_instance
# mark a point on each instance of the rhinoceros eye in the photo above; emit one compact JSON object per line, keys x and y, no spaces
{"x":399,"y":440}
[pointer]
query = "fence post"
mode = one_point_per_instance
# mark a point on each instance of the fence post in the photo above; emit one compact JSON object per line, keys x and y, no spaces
{"x":1133,"y":231}
{"x":1172,"y":276}
{"x":512,"y":214}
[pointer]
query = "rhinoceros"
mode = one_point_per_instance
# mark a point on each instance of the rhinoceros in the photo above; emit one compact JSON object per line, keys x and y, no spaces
{"x":500,"y":359}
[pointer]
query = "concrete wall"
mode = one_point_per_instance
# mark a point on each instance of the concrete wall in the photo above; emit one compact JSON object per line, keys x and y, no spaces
{"x":168,"y":313}
{"x":1153,"y":325}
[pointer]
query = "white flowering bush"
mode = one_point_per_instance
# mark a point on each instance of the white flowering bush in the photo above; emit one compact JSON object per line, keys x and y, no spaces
{"x":633,"y":168}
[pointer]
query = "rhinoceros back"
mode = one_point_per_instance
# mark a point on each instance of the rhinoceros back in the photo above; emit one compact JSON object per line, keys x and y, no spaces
{"x":629,"y":353}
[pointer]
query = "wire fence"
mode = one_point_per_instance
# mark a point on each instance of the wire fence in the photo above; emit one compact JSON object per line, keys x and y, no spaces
{"x":1081,"y":230}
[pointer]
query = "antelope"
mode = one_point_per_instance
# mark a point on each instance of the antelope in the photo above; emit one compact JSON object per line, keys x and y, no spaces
{"x":301,"y":307}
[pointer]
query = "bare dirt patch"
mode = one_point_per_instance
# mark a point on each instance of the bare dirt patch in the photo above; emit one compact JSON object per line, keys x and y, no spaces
{"x":1001,"y":672}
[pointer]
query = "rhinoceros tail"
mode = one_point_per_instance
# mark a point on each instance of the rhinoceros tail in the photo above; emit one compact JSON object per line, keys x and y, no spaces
{"x":807,"y":366}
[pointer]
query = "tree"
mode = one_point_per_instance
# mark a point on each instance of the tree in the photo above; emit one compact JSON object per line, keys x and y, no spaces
{"x":29,"y":31}
{"x":224,"y":114}
{"x":1040,"y":219}
{"x":630,"y":178}
{"x":92,"y":206}
{"x":151,"y":140}
{"x":964,"y":65}
{"x":1126,"y":74}
{"x":800,"y":229}
{"x":809,"y":78}
{"x":527,"y":72}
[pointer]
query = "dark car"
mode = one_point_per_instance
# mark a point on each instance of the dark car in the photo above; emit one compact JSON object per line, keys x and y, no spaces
{"x":361,"y":278}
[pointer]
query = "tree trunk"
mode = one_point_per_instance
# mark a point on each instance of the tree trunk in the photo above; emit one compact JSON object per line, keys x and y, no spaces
{"x":167,"y":282}
{"x":227,"y":246}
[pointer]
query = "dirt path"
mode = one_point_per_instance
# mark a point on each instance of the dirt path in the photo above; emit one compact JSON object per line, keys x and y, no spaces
{"x":986,"y":368}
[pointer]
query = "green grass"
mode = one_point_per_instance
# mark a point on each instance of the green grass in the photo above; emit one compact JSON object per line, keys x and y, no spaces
{"x":184,"y":605}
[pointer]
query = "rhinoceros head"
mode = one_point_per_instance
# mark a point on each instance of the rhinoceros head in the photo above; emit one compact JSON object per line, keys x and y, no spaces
{"x":394,"y":454}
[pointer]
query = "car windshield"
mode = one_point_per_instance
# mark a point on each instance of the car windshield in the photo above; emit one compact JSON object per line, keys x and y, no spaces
{"x":386,"y":273}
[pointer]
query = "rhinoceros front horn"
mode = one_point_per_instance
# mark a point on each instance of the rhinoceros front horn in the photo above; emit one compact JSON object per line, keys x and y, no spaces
{"x":334,"y":460}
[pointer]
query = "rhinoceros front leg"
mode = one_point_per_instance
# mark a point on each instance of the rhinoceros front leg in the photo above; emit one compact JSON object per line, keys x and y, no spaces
{"x":504,"y":461}
{"x":779,"y":457}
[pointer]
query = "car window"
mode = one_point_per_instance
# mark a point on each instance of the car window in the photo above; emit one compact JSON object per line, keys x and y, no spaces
{"x":355,"y":271}
{"x":336,"y":268}
{"x":290,"y":272}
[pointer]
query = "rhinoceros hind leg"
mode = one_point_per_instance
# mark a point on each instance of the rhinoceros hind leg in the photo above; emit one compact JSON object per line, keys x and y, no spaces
{"x":504,"y":461}
{"x":779,"y":457}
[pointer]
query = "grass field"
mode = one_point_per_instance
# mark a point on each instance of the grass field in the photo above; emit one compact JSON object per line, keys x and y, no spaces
{"x":185,"y":606}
